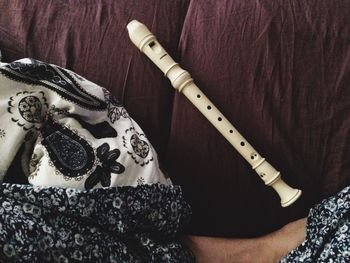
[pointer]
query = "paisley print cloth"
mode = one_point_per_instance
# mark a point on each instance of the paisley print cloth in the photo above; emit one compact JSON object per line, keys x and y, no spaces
{"x":116,"y":224}
{"x":66,"y":131}
{"x":328,"y":232}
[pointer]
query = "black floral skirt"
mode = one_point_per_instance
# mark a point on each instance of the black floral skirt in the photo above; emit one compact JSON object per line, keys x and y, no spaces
{"x":116,"y":224}
{"x":328,"y":232}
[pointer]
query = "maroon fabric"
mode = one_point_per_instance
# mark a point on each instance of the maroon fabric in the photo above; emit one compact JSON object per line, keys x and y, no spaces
{"x":278,"y":69}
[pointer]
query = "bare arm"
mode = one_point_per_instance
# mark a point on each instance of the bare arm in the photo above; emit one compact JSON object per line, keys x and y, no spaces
{"x":266,"y":249}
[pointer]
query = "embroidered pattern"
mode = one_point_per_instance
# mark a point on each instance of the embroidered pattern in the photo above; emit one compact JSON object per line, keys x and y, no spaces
{"x":2,"y":133}
{"x":71,"y":146}
{"x":55,"y":79}
{"x":115,"y":109}
{"x":53,"y":110}
{"x":28,"y":109}
{"x":35,"y":164}
{"x":138,"y":149}
{"x":70,"y":153}
{"x":140,"y":181}
{"x":139,"y":146}
{"x":107,"y":164}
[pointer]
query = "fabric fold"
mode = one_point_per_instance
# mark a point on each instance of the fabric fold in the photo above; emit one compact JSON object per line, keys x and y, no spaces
{"x":328,"y":232}
{"x":116,"y":224}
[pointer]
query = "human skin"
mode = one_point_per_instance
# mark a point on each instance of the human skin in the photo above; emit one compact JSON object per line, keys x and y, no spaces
{"x":266,"y":249}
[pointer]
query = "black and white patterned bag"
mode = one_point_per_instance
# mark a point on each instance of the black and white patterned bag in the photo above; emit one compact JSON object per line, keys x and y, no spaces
{"x":68,"y":131}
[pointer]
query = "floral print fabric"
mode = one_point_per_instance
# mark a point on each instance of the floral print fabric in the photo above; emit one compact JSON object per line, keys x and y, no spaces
{"x":122,"y":224}
{"x":328,"y":232}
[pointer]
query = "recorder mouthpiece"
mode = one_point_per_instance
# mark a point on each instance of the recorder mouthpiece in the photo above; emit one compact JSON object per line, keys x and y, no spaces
{"x":139,"y":34}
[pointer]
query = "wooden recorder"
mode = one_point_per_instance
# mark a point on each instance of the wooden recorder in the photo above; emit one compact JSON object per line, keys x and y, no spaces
{"x":182,"y":81}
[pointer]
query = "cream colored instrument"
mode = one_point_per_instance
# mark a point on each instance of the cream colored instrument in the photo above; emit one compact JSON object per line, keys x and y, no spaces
{"x":182,"y":81}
